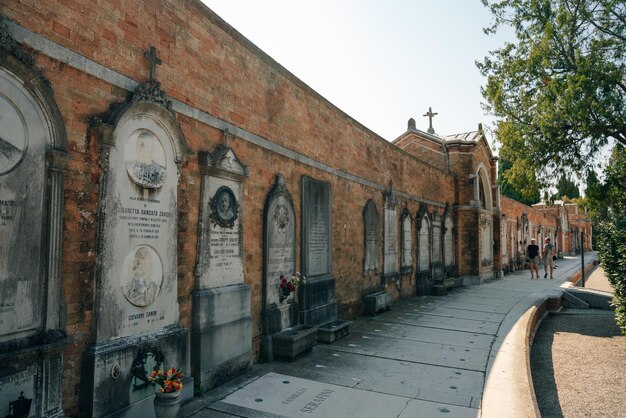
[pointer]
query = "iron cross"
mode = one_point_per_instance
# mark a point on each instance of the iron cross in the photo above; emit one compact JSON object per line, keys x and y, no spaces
{"x":430,"y":115}
{"x":154,"y":61}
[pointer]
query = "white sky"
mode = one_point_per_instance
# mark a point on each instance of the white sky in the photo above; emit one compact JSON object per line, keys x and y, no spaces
{"x":380,"y":61}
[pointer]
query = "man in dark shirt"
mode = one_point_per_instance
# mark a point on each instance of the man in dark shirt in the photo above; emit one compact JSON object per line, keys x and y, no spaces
{"x":533,"y":256}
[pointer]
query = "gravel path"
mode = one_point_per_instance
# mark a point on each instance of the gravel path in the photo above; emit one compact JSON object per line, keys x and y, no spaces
{"x":597,"y":280}
{"x":578,"y":362}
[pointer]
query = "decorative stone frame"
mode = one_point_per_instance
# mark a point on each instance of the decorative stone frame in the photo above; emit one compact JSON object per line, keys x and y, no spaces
{"x":42,"y":352}
{"x":101,"y":392}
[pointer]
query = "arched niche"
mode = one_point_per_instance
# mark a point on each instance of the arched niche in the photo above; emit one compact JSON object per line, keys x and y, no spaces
{"x":482,"y":192}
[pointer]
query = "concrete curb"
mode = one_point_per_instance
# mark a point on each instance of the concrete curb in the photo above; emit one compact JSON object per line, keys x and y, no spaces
{"x":509,"y":389}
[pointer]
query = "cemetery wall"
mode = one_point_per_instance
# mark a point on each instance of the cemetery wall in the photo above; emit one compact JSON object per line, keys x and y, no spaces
{"x":281,"y":126}
{"x":93,"y":56}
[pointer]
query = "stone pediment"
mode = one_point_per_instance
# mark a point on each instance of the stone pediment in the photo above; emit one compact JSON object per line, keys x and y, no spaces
{"x":223,"y":163}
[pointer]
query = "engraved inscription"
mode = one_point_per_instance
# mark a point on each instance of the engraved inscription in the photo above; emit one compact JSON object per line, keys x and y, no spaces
{"x":225,"y":250}
{"x":317,"y":229}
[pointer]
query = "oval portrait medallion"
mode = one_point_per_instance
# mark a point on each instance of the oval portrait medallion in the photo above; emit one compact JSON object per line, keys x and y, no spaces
{"x":145,"y":159}
{"x":13,"y":136}
{"x":142,"y":276}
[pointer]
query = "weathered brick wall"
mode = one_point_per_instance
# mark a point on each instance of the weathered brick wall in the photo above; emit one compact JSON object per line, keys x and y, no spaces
{"x":423,"y":148}
{"x":208,"y":66}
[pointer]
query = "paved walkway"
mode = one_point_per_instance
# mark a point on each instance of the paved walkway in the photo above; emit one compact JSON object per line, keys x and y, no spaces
{"x":428,"y":357}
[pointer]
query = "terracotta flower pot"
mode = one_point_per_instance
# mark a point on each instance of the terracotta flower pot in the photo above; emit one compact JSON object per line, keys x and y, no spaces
{"x":166,"y":405}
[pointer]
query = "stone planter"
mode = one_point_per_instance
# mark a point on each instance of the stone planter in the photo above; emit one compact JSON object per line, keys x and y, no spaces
{"x":377,"y":302}
{"x":333,"y":331}
{"x":293,"y":341}
{"x":166,"y":405}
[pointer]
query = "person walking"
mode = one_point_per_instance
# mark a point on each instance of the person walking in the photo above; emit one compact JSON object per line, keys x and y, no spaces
{"x":548,"y":258}
{"x":533,"y":255}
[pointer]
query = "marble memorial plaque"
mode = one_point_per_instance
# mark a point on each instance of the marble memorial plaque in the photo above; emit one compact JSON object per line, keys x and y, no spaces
{"x":138,"y":291}
{"x":424,"y":245}
{"x":220,"y":241}
{"x":390,"y":241}
{"x":225,"y":265}
{"x":316,"y":232}
{"x":486,"y":241}
{"x":448,"y":247}
{"x":407,"y":243}
{"x":371,"y":237}
{"x":280,"y":244}
{"x":23,"y":133}
{"x":436,"y":251}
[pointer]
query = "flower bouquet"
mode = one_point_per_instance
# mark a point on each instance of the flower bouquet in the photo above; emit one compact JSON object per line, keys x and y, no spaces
{"x":289,"y":285}
{"x":169,"y":381}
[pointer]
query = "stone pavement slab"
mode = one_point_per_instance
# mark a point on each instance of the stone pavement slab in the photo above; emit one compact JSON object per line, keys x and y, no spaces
{"x":426,"y":334}
{"x":414,"y":351}
{"x":414,"y":380}
{"x":427,"y":320}
{"x":465,"y":314}
{"x":283,"y":395}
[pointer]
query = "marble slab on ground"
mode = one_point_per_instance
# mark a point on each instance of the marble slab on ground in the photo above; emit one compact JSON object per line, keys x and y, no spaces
{"x":426,"y":334}
{"x":413,"y":380}
{"x":290,"y":396}
{"x":456,"y":324}
{"x":414,"y":351}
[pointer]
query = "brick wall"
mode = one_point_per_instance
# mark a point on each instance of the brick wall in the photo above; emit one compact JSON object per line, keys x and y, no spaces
{"x":210,"y":67}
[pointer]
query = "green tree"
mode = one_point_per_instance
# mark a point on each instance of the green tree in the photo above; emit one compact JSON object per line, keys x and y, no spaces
{"x":566,"y":187}
{"x":615,"y":182}
{"x":560,"y":89}
{"x":595,"y":201}
{"x":529,"y":194}
{"x":611,"y":232}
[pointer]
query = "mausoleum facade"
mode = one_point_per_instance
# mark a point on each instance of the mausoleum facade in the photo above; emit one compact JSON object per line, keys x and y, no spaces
{"x":159,"y":174}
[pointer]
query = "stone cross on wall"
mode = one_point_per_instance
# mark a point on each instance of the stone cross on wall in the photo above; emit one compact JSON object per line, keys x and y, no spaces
{"x":154,"y":61}
{"x":430,"y":115}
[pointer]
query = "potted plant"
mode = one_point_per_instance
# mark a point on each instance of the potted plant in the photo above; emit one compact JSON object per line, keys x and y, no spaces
{"x":287,"y":286}
{"x":167,"y":397}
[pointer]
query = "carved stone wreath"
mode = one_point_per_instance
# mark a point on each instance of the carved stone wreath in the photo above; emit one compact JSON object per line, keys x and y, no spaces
{"x":139,"y":374}
{"x":224,"y":207}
